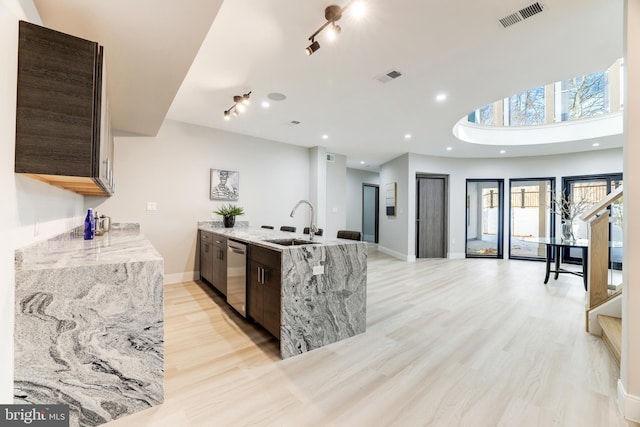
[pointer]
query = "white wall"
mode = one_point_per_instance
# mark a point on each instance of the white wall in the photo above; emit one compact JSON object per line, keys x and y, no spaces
{"x":31,"y":210}
{"x":629,"y":366}
{"x":400,"y":233}
{"x":393,"y":237}
{"x":172,"y":169}
{"x":355,"y":179}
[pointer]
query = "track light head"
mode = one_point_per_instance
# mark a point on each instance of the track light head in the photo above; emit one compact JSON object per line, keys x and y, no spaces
{"x":314,"y":46}
{"x":239,"y":104}
{"x":333,"y":13}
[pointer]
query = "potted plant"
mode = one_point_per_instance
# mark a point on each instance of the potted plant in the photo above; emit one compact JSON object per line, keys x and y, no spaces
{"x":229,"y":213}
{"x":569,"y":209}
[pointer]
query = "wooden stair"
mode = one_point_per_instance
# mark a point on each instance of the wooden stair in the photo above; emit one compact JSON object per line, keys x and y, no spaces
{"x":612,"y":334}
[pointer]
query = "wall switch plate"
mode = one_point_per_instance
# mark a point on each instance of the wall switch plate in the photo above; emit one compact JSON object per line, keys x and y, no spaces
{"x":318,"y":269}
{"x":152,"y":206}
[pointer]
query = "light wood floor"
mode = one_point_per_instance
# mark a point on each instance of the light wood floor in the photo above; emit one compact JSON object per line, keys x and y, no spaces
{"x":472,"y":342}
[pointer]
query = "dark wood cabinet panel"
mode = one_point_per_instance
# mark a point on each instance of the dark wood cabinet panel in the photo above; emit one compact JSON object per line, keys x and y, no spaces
{"x":219,"y":263}
{"x":213,"y":260}
{"x":60,"y":111}
{"x":264,"y":288}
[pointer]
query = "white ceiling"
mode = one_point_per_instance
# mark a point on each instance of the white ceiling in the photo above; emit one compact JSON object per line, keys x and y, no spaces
{"x":455,"y":47}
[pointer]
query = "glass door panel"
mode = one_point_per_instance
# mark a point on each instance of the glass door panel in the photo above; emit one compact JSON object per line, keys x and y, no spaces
{"x":584,"y":192}
{"x":530,"y":217}
{"x":484,"y":218}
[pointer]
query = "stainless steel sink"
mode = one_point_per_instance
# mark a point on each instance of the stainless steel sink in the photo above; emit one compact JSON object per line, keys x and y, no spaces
{"x":291,"y":242}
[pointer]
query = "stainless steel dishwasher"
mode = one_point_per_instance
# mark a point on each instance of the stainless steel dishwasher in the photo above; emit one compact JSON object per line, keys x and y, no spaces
{"x":237,"y":276}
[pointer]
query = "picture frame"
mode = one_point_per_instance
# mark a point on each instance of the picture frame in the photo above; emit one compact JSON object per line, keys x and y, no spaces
{"x":225,"y":185}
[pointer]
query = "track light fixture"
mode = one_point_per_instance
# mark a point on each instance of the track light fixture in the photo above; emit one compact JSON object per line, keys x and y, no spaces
{"x":239,"y":103}
{"x":332,"y":14}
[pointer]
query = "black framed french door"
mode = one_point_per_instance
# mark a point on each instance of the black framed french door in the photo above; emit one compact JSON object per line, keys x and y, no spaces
{"x":484,"y":218}
{"x":589,"y":189}
{"x":530,"y":216}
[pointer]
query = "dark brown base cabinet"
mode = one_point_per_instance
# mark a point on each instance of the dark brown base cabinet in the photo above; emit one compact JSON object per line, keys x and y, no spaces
{"x":63,"y":131}
{"x":213,"y":260}
{"x":263,"y":286}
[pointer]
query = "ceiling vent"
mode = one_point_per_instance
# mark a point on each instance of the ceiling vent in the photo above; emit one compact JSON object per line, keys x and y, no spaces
{"x":522,"y":14}
{"x":331,"y":157}
{"x":387,"y":77}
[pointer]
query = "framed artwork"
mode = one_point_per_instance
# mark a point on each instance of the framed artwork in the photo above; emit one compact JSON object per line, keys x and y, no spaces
{"x":225,"y":185}
{"x":390,"y":198}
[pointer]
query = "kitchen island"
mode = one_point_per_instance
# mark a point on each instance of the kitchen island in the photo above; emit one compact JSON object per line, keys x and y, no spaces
{"x":89,"y":328}
{"x":322,"y":286}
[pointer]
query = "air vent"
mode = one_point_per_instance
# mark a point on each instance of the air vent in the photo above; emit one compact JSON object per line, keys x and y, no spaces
{"x":331,"y":157}
{"x":522,"y":14}
{"x":531,"y":10}
{"x":387,"y":77}
{"x":508,"y":21}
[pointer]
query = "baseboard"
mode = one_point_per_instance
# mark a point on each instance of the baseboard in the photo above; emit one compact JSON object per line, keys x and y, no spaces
{"x":629,"y":405}
{"x":181,"y":277}
{"x":457,"y":255}
{"x":396,"y":254}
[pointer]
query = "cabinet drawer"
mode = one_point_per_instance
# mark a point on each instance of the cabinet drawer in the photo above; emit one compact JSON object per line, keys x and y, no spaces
{"x":206,"y":236}
{"x":265,"y":256}
{"x":219,"y":241}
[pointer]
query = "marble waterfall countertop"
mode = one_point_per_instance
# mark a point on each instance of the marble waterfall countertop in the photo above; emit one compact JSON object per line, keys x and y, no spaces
{"x":89,"y":324}
{"x":123,"y":243}
{"x":316,"y":309}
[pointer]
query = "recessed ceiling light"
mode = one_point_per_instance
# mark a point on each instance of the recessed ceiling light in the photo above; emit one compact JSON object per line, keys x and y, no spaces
{"x":449,"y":148}
{"x":362,"y":162}
{"x":503,"y":151}
{"x":265,"y":104}
{"x":275,"y":96}
{"x":441,"y":97}
{"x":407,"y":136}
{"x":596,"y":144}
{"x":325,"y":136}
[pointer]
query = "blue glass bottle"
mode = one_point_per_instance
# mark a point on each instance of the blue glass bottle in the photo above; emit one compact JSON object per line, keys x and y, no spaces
{"x":89,"y":225}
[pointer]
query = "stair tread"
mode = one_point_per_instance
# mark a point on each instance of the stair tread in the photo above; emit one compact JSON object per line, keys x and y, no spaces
{"x":612,"y":333}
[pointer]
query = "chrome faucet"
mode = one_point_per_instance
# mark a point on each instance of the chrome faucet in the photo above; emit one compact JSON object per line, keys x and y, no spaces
{"x":312,"y":227}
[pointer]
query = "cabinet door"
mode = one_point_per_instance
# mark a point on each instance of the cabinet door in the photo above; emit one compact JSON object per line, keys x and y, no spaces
{"x":206,"y":261}
{"x":255,"y":299}
{"x":271,"y":297}
{"x":220,"y":263}
{"x":264,"y":288}
{"x":56,"y":109}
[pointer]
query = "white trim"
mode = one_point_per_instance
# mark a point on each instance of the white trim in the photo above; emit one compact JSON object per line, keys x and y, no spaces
{"x":396,"y":254}
{"x":629,"y":405}
{"x":611,"y":308}
{"x":181,"y":277}
{"x":456,"y":255}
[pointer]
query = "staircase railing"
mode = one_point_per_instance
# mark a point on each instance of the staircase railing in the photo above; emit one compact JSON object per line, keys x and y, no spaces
{"x":597,"y":219}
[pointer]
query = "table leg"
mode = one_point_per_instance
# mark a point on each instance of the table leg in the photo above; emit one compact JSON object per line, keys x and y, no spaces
{"x":546,"y":276}
{"x":556,"y":250}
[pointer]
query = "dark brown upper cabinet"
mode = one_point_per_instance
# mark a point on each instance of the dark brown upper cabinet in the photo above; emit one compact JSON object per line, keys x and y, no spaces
{"x":63,"y":131}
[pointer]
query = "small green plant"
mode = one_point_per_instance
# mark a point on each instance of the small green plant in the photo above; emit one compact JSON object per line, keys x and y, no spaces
{"x":229,"y":210}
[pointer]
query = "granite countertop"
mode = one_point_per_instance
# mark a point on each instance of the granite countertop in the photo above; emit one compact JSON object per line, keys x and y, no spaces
{"x":260,"y":236}
{"x":121,"y":244}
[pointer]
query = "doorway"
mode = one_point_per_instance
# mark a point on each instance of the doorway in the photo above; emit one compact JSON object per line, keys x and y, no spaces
{"x":431,"y":216}
{"x":370,"y":214}
{"x":484,"y":218}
